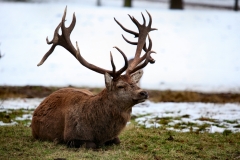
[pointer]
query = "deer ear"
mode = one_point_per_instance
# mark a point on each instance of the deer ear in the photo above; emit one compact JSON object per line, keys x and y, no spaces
{"x":136,"y":76}
{"x":108,"y":81}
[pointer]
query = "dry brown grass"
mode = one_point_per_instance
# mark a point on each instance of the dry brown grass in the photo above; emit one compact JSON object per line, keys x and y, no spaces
{"x":190,"y":96}
{"x":155,"y":95}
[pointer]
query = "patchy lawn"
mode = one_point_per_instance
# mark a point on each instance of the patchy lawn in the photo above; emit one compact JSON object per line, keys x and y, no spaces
{"x":136,"y":143}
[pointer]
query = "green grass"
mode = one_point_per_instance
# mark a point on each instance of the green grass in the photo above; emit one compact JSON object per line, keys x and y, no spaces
{"x":11,"y":115}
{"x":183,"y":123}
{"x":16,"y":142}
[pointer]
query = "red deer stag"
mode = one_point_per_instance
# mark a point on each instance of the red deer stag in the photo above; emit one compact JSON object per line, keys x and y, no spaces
{"x":76,"y":116}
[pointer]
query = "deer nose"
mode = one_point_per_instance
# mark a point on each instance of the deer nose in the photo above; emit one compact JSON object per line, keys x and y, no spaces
{"x":144,"y":94}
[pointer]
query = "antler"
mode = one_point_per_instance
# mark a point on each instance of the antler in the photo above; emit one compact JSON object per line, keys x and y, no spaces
{"x":64,"y":41}
{"x":141,"y":44}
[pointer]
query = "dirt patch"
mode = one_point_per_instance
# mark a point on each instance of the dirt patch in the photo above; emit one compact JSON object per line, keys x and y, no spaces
{"x":25,"y":91}
{"x":155,"y":95}
{"x":191,"y":96}
{"x":33,"y":91}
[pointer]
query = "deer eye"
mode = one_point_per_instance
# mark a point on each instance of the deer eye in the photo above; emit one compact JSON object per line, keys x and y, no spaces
{"x":120,"y":87}
{"x":131,"y":85}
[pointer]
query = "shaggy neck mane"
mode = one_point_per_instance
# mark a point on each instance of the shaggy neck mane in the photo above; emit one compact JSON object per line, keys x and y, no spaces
{"x":106,"y":98}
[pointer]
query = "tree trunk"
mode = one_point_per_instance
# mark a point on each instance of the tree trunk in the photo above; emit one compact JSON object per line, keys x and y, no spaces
{"x":176,"y":4}
{"x":236,"y":8}
{"x":127,"y":3}
{"x":98,"y":2}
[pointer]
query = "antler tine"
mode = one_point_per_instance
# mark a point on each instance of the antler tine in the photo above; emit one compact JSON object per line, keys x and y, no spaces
{"x":144,"y":47}
{"x":135,"y":21}
{"x":147,"y":50}
{"x":54,"y":42}
{"x":119,"y":72}
{"x":71,"y":26}
{"x":55,"y":35}
{"x":150,"y":59}
{"x":150,"y":22}
{"x":46,"y":55}
{"x":125,"y":29}
{"x":113,"y":65}
{"x":147,"y":60}
{"x":133,"y":43}
{"x":144,"y":21}
{"x":66,"y":32}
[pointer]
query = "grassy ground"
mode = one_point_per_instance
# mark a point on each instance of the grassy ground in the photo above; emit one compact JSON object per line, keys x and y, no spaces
{"x":137,"y":143}
{"x":155,"y":95}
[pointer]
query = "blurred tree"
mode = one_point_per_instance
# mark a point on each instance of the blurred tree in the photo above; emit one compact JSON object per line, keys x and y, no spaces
{"x":127,"y":3}
{"x":98,"y":2}
{"x":19,"y":0}
{"x":1,"y":55}
{"x":236,"y":8}
{"x":176,"y":4}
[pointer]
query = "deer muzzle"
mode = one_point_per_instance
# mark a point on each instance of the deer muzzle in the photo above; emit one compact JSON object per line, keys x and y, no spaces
{"x":141,"y":96}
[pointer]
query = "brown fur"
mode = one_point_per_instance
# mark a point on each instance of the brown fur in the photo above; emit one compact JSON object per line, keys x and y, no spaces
{"x":75,"y":116}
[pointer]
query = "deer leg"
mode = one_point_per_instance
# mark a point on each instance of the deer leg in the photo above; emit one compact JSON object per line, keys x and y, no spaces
{"x":91,"y":145}
{"x":113,"y":141}
{"x":75,"y":143}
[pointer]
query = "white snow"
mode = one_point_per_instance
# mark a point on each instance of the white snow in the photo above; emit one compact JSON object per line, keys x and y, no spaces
{"x":196,"y":49}
{"x":20,"y":103}
{"x":225,"y":115}
{"x":219,"y":117}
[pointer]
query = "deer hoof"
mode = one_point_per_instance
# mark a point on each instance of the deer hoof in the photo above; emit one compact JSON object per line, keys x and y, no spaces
{"x":75,"y":143}
{"x":91,"y":145}
{"x":116,"y":141}
{"x":113,"y":141}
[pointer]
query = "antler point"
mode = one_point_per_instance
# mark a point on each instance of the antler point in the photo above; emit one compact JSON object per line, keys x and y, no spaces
{"x":39,"y":64}
{"x":111,"y":57}
{"x":152,"y":52}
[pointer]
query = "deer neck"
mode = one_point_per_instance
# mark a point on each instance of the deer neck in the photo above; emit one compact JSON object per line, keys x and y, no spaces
{"x":107,"y":98}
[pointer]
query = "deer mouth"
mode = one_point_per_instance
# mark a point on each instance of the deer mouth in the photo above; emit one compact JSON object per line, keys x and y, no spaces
{"x":139,"y":100}
{"x":142,"y":96}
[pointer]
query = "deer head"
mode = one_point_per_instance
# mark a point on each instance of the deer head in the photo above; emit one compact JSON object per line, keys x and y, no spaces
{"x":78,"y":115}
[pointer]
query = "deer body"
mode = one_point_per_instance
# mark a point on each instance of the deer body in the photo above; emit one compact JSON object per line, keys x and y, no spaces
{"x":73,"y":114}
{"x":79,"y":117}
{"x":76,"y":116}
